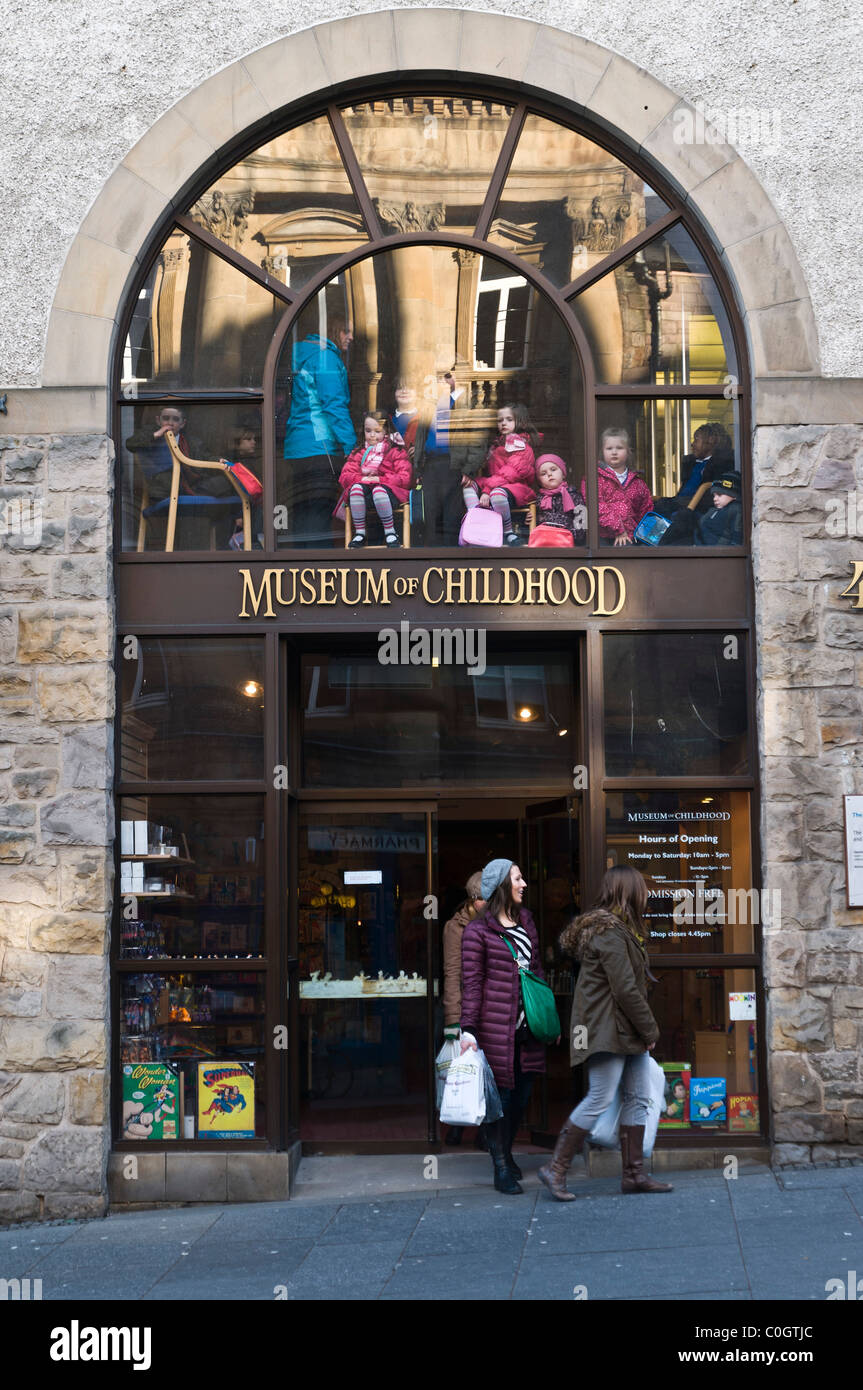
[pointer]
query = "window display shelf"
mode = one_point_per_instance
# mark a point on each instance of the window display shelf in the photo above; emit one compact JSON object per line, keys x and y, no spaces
{"x":177,"y":897}
{"x":157,"y":859}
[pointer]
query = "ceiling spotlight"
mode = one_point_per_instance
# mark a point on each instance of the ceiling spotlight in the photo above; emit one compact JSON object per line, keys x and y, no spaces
{"x":251,"y":688}
{"x":525,"y":713}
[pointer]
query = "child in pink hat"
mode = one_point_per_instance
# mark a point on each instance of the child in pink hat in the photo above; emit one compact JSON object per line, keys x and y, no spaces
{"x":561,"y":518}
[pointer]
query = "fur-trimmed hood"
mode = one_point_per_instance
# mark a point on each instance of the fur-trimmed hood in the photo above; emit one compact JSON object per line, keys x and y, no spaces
{"x":575,"y":939}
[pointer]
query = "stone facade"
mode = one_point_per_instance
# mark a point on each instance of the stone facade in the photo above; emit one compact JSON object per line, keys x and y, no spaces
{"x":56,"y":827}
{"x":810,"y":645}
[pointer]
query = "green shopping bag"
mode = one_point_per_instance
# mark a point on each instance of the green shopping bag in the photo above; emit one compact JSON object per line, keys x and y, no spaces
{"x":540,"y":1010}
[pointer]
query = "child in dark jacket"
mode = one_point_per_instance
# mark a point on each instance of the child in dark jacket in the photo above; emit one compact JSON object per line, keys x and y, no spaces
{"x":377,"y":472}
{"x":723,"y":524}
{"x":624,"y":497}
{"x":510,"y":467}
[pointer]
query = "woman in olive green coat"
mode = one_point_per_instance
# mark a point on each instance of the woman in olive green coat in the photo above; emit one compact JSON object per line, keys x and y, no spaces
{"x":612,"y":1028}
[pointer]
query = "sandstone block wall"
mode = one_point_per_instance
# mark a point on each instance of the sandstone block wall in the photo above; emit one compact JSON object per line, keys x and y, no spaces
{"x":56,"y":826}
{"x":810,"y":652}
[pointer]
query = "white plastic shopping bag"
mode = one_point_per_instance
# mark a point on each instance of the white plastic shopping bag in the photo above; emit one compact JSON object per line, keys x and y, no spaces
{"x":464,"y":1090}
{"x":606,"y":1131}
{"x":450,"y":1052}
{"x":657,"y":1098}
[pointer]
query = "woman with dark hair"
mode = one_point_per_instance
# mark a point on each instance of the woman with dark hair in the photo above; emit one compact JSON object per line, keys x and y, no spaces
{"x":613,"y":1029}
{"x":494,"y":945}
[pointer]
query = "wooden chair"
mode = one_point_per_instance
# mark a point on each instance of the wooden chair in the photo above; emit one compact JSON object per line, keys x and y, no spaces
{"x":697,"y":496}
{"x":405,"y":510}
{"x":528,"y":513}
{"x":193,"y":503}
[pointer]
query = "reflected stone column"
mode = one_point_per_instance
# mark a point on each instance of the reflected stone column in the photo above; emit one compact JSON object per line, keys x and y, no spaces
{"x":468,"y":278}
{"x":223,"y":292}
{"x":169,"y":296}
{"x":419,"y":314}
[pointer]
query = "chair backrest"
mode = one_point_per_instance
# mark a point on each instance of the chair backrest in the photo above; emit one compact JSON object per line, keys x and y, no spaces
{"x":697,"y":496}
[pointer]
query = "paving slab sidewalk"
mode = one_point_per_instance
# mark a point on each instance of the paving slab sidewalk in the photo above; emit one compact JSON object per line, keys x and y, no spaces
{"x":390,"y":1229}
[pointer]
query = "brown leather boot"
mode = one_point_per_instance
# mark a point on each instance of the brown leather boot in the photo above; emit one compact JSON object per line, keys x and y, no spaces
{"x":570,"y":1142}
{"x":634,"y":1178}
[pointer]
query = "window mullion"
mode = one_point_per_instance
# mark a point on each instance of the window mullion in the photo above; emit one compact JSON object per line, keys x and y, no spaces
{"x":242,"y":263}
{"x":501,"y":170}
{"x":354,"y":173}
{"x":622,"y":254}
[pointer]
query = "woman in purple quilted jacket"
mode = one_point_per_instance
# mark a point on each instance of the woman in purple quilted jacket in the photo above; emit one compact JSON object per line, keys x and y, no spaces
{"x":492,"y":1010}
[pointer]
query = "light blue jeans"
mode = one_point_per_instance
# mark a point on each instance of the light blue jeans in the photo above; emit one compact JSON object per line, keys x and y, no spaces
{"x":605,"y":1070}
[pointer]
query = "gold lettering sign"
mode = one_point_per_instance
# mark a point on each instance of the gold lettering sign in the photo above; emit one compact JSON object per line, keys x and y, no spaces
{"x":600,"y":589}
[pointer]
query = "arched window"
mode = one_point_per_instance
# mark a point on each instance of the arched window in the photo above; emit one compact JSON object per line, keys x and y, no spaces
{"x":434,"y":257}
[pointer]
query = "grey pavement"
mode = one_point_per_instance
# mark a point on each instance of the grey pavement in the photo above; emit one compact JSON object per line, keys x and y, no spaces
{"x":760,"y":1236}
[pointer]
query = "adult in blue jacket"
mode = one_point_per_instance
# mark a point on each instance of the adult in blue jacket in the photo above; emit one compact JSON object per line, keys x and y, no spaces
{"x":319,"y":433}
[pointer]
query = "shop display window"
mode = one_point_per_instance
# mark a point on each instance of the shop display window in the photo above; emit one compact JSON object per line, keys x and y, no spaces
{"x":675,"y":704}
{"x":366,"y":724}
{"x":192,"y":1055}
{"x":693,"y":848}
{"x":192,"y":711}
{"x":708,"y":1043}
{"x":192,"y":877}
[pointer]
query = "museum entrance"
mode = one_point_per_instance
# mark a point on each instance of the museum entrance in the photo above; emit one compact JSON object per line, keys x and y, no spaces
{"x":376,"y":884}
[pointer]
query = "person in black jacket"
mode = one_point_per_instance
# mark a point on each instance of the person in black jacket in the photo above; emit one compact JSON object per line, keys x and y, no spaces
{"x":712,"y":453}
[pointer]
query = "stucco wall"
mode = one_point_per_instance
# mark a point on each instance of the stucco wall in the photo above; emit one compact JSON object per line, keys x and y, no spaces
{"x":91,"y":76}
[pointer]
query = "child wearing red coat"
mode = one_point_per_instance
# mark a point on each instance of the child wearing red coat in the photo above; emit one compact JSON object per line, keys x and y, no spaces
{"x":510,"y":469}
{"x":377,"y":472}
{"x":624,"y":497}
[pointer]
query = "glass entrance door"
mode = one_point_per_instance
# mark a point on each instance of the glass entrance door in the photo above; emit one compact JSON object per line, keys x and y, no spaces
{"x":365,"y":974}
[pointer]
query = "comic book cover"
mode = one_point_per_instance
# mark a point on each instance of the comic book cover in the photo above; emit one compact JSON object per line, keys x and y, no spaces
{"x":707,"y":1100}
{"x":743,"y":1114}
{"x":226,"y":1100}
{"x":151,"y":1101}
{"x":675,"y":1110}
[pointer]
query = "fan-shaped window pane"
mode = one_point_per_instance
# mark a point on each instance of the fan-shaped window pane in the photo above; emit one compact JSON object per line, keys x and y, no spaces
{"x":658,"y":318}
{"x":439,"y":340}
{"x":199,"y":324}
{"x":567,"y":203}
{"x":288,"y":206}
{"x":427,"y":161}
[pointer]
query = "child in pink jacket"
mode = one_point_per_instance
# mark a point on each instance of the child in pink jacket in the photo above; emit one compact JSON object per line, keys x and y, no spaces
{"x":510,"y":469}
{"x":377,"y":474}
{"x":624,"y":497}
